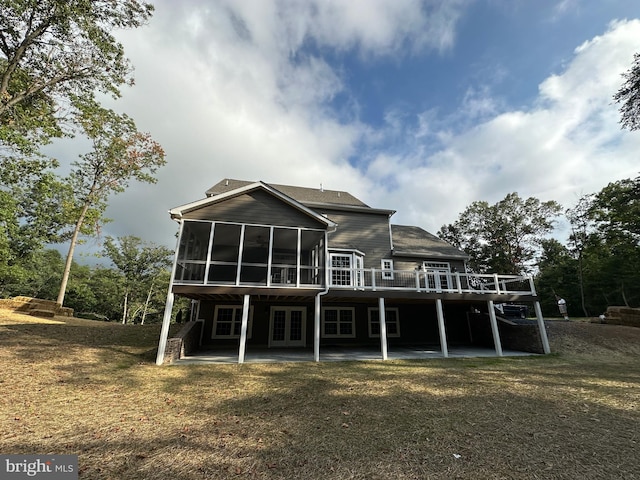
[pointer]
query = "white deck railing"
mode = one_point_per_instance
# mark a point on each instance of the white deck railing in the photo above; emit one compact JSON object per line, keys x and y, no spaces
{"x":429,"y":281}
{"x":371,"y":279}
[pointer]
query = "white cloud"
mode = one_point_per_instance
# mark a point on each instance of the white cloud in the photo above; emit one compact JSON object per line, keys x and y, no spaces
{"x":567,"y":144}
{"x":229,"y":91}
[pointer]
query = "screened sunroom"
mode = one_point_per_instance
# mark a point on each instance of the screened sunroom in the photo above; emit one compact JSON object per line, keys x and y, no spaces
{"x":241,"y":254}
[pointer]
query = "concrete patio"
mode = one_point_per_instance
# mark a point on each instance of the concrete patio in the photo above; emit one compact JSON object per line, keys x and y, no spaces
{"x":336,"y":354}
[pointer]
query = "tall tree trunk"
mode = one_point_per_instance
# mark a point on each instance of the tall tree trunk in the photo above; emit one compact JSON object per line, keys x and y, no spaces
{"x":124,"y":308}
{"x":624,"y":297}
{"x":72,"y":247}
{"x":580,"y":281}
{"x":146,"y":303}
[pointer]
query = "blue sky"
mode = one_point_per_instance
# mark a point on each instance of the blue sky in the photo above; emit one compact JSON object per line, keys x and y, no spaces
{"x":418,"y":106}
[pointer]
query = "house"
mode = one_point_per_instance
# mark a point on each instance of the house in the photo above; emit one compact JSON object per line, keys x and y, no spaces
{"x":279,"y":266}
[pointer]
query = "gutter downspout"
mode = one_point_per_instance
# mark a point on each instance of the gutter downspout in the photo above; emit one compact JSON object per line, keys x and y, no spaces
{"x":316,"y":326}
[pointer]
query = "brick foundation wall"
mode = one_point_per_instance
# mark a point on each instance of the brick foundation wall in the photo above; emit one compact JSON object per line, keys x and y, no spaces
{"x":523,"y":338}
{"x":186,"y":341}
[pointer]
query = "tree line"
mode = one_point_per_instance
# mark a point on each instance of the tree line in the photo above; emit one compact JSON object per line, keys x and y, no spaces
{"x":597,"y":264}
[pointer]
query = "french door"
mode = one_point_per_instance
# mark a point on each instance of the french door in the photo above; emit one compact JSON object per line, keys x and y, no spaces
{"x":287,"y":326}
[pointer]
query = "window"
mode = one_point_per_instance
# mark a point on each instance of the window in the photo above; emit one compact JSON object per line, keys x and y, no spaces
{"x":392,"y":321}
{"x":340,"y":269}
{"x":227,"y":321}
{"x":438,"y":274}
{"x":338,"y":322}
{"x":387,"y":269}
{"x":347,"y":269}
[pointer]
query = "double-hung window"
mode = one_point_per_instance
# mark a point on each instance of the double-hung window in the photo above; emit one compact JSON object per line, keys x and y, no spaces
{"x":338,"y":322}
{"x":227,"y":321}
{"x":347,"y":268}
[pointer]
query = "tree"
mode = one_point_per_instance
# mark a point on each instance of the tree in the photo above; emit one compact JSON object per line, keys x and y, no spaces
{"x":120,"y":154}
{"x":504,"y":237}
{"x":617,"y":206}
{"x":557,"y":275}
{"x":54,"y":53}
{"x":581,"y":231}
{"x":55,"y":57}
{"x":140,"y":264}
{"x":629,"y":96}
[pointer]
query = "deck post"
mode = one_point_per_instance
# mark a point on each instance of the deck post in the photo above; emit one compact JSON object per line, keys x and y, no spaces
{"x":168,"y":306}
{"x":316,"y":330}
{"x":383,"y":327}
{"x":243,"y":329}
{"x":494,"y":328}
{"x":542,"y":328}
{"x":443,"y":333}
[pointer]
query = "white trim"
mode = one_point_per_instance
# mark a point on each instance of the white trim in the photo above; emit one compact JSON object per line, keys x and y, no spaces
{"x":388,"y":320}
{"x":234,"y":320}
{"x":338,"y":322}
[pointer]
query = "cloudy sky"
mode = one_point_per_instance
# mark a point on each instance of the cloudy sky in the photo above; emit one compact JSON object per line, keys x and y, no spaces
{"x":418,"y":106}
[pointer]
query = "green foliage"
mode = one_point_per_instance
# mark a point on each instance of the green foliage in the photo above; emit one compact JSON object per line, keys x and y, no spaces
{"x":629,"y":96}
{"x":505,"y":237}
{"x":54,"y":53}
{"x":120,"y":154}
{"x":617,"y":207}
{"x":601,"y":267}
{"x":141,"y":265}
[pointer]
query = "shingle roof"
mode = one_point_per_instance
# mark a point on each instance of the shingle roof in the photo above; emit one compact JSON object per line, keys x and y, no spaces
{"x":414,"y":241}
{"x":301,"y":194}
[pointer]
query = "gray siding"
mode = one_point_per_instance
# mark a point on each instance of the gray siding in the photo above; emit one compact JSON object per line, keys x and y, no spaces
{"x":258,"y":207}
{"x":367,"y":232}
{"x":410,"y":263}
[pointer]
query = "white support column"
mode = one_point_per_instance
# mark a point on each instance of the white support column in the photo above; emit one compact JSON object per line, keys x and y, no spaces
{"x":243,"y":328}
{"x":168,"y":306}
{"x":443,"y":333}
{"x":383,"y":327}
{"x":164,"y":332}
{"x":542,"y":328}
{"x":494,"y":328}
{"x":316,"y":330}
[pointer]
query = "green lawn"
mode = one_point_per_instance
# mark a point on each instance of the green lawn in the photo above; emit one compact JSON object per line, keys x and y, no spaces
{"x":91,"y":388}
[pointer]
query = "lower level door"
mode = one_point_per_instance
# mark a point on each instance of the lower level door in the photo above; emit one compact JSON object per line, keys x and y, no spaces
{"x":287,"y":326}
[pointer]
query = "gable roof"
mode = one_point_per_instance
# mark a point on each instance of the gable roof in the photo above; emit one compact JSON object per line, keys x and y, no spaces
{"x":303,"y":195}
{"x":410,"y":241}
{"x":178,"y":212}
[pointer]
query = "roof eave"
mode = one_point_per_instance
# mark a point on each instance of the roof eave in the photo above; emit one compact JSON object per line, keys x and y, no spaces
{"x":178,"y":212}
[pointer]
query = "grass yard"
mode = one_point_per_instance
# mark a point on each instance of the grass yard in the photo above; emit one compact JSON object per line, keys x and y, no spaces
{"x":90,"y":388}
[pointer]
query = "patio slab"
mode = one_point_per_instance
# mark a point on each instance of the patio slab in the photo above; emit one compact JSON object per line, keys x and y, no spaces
{"x":331,"y":354}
